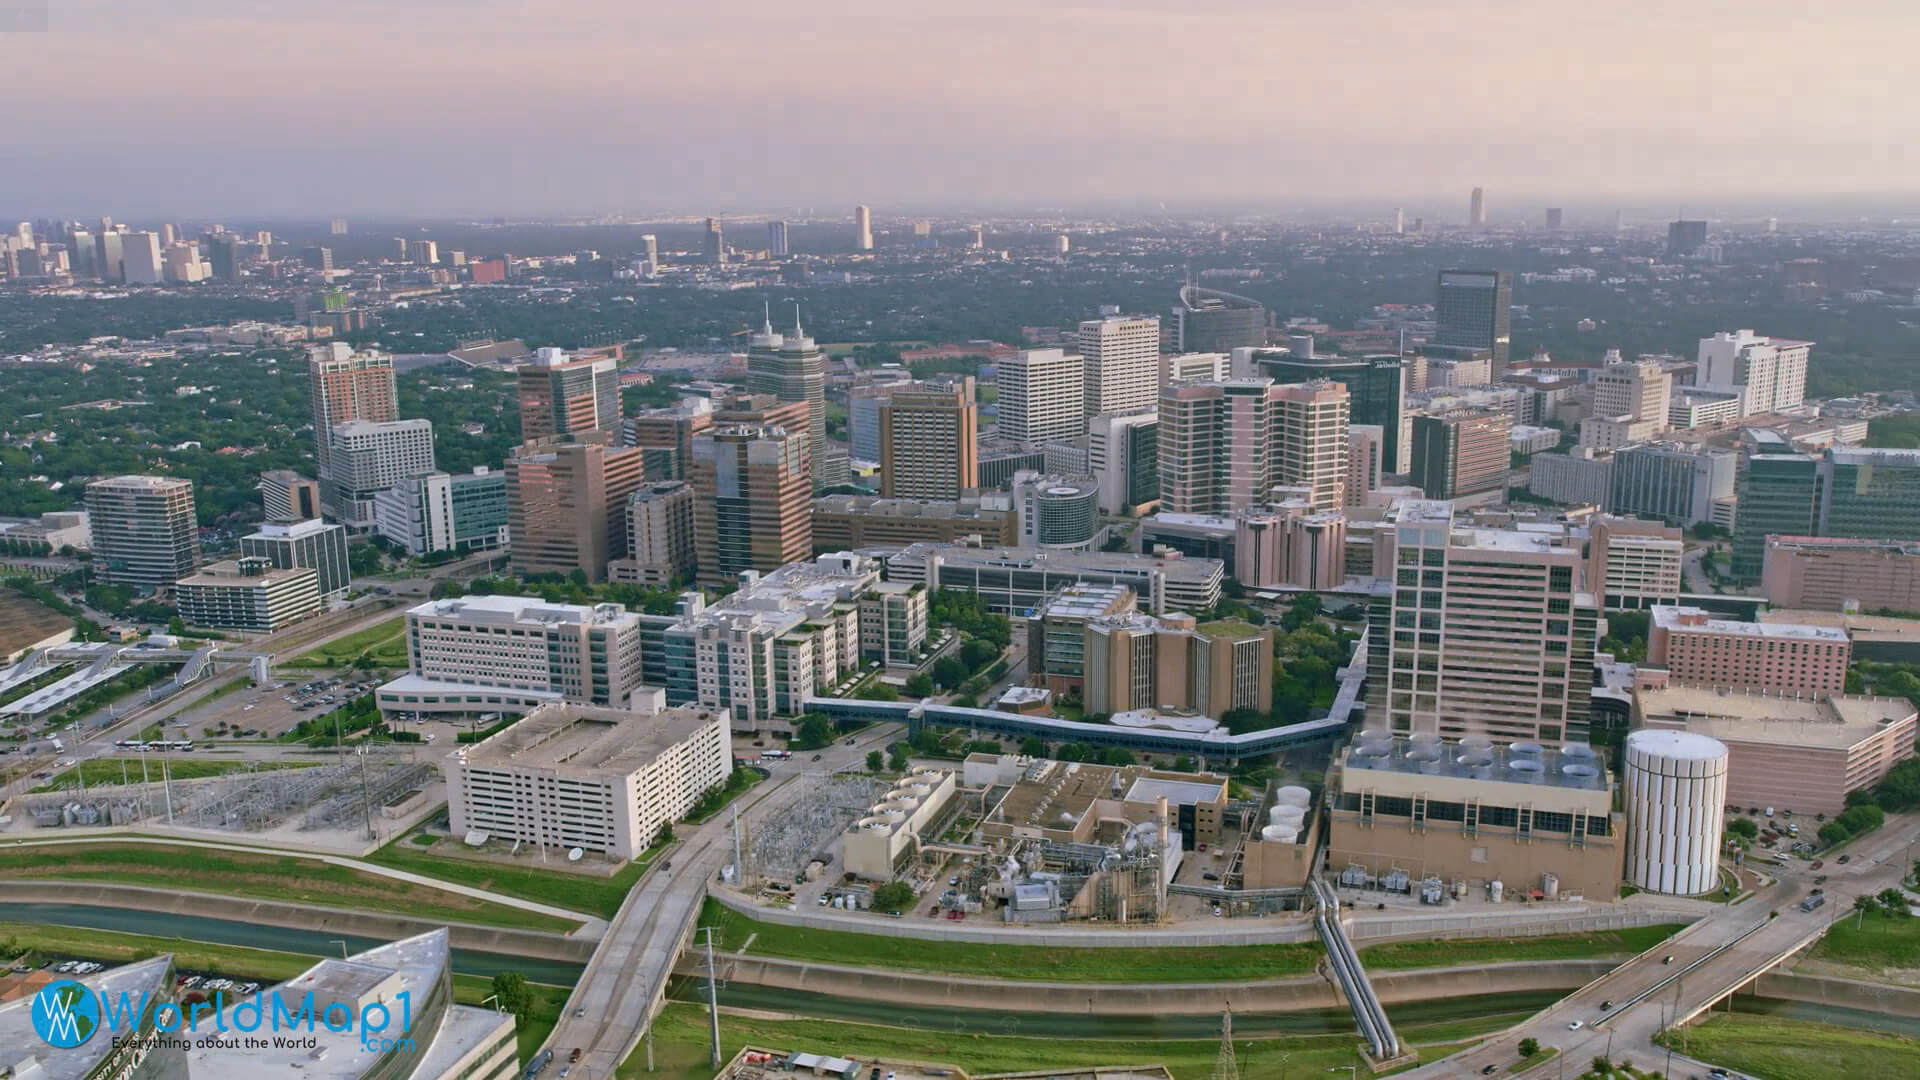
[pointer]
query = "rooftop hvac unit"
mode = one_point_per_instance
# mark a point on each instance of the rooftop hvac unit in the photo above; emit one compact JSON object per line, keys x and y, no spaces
{"x":1476,"y":742}
{"x":1527,"y":749}
{"x":1579,"y":768}
{"x":1395,"y":881}
{"x":1354,"y":875}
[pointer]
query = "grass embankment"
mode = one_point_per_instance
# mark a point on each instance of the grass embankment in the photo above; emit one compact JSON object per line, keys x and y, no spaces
{"x":112,"y":772}
{"x":680,"y":1048}
{"x":1040,"y":962}
{"x":263,"y":876}
{"x":1879,"y":944}
{"x":1454,"y":953}
{"x":386,"y":640}
{"x":263,"y":965}
{"x":716,"y":800}
{"x":1225,"y":963}
{"x":1781,"y":1049}
{"x":586,"y":893}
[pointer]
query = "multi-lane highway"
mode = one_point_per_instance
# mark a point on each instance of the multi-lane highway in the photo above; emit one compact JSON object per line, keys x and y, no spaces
{"x":612,"y":1004}
{"x":1698,"y":967}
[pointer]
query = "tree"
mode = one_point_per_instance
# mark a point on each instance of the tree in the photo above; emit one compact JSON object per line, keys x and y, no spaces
{"x":876,"y":761}
{"x":511,"y":995}
{"x":1184,"y":763}
{"x":1743,"y":827}
{"x":893,"y":896}
{"x":878,"y":691}
{"x":918,"y":685}
{"x":1529,"y":1047}
{"x":1033,"y":746}
{"x":176,"y":625}
{"x":1866,"y":904}
{"x":1602,"y":1066}
{"x":664,"y":835}
{"x":949,"y":671}
{"x":1304,"y":612}
{"x":813,"y":731}
{"x":897,"y":757}
{"x":1894,"y":901}
{"x":444,"y":589}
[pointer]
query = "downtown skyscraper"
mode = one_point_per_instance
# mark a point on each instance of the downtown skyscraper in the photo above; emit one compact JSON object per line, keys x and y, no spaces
{"x":1473,"y":308}
{"x":791,"y":367}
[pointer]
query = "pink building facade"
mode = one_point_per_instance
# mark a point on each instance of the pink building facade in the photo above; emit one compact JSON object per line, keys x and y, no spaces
{"x":1694,"y":647}
{"x":1829,"y":574}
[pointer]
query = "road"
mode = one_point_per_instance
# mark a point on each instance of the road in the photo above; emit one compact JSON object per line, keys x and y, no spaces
{"x":612,"y":1004}
{"x":1710,"y":959}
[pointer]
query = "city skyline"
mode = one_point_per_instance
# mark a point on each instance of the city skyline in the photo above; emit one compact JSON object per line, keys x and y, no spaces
{"x":1613,"y":119}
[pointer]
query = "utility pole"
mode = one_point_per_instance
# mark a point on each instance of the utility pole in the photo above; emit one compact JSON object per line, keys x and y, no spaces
{"x":366,"y":800}
{"x":166,"y":784}
{"x":713,"y":1000}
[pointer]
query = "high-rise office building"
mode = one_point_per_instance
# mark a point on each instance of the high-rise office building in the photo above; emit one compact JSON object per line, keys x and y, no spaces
{"x":1685,"y":238}
{"x":1633,"y":564}
{"x":930,"y":441}
{"x":107,"y":259}
{"x":311,"y":544}
{"x":1208,"y":320}
{"x":1779,"y":496}
{"x":145,"y":534}
{"x":862,"y":229}
{"x":1677,"y":483}
{"x":651,"y":244}
{"x":285,"y":495}
{"x":1121,"y":357}
{"x":1473,"y":308}
{"x":1366,"y":461}
{"x":791,"y":367}
{"x":140,"y":258}
{"x":713,"y":243}
{"x":753,"y":490}
{"x":1870,"y":494}
{"x":1376,"y":388}
{"x":1042,"y":396}
{"x":317,"y":258}
{"x":346,"y":385}
{"x":1480,"y":631}
{"x":1224,"y":446}
{"x":562,"y":395}
{"x":1477,"y":208}
{"x":337,"y":226}
{"x":1123,"y":450}
{"x":1555,"y":216}
{"x":1399,"y":220}
{"x":1634,"y":390}
{"x":660,"y":548}
{"x":1461,"y":453}
{"x":366,"y":457}
{"x":777,"y":239}
{"x":665,"y":436}
{"x":423,"y":252}
{"x":566,"y":504}
{"x":1769,"y":374}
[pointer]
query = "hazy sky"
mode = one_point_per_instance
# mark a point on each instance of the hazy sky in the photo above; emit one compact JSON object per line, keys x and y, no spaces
{"x":437,"y":107}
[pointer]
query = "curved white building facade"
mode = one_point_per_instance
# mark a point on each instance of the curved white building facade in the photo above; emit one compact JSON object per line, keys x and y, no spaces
{"x":1676,"y":796}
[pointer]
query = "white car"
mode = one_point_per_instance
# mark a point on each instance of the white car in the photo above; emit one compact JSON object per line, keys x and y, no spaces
{"x":1574,"y":1025}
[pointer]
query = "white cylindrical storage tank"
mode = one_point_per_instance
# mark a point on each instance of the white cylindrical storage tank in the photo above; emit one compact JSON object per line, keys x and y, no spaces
{"x":1293,"y":795}
{"x":1676,"y":795}
{"x":1496,"y":891}
{"x":1287,"y":815}
{"x":1550,"y":886}
{"x":1280,"y":834}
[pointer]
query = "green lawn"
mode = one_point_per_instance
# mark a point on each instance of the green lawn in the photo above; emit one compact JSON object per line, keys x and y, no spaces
{"x":680,"y":1048}
{"x":738,"y":781}
{"x":1045,"y":963}
{"x":112,"y":772}
{"x":1881,"y":942}
{"x":1781,"y":1049}
{"x":113,"y":947}
{"x":261,"y":875}
{"x":586,"y":893}
{"x":1451,"y":953}
{"x":387,"y":641}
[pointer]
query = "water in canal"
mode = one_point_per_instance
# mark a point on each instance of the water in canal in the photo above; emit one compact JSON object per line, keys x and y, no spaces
{"x":1084,"y":1026}
{"x":248,"y":935}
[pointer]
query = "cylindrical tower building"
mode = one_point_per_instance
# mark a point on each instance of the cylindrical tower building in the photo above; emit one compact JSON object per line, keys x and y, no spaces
{"x":1676,"y":799}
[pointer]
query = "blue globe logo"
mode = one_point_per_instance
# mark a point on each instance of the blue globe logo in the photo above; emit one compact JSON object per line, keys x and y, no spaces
{"x":65,"y":1014}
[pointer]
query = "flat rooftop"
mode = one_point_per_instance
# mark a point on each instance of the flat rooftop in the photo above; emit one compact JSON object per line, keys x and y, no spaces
{"x":1085,"y":601}
{"x":1683,"y":620}
{"x":584,"y":741}
{"x":1531,"y":540}
{"x":1148,"y":789}
{"x":1860,"y":628}
{"x":228,"y":573}
{"x":502,"y":610}
{"x":929,"y":509}
{"x":1576,"y":767}
{"x":1172,"y":566}
{"x":1834,"y":721}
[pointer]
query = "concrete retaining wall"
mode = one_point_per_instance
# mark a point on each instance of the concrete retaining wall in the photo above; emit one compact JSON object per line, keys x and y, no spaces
{"x":512,"y":942}
{"x":1294,"y":994}
{"x":1522,"y":921}
{"x":1832,"y":990}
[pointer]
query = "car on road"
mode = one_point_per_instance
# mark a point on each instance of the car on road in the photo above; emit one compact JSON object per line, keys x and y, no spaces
{"x":1489,"y":1070}
{"x":1605,"y":1005}
{"x":1843,"y":859}
{"x":575,"y":1056}
{"x":1574,"y":1025}
{"x":580,"y":1011}
{"x":816,"y":757}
